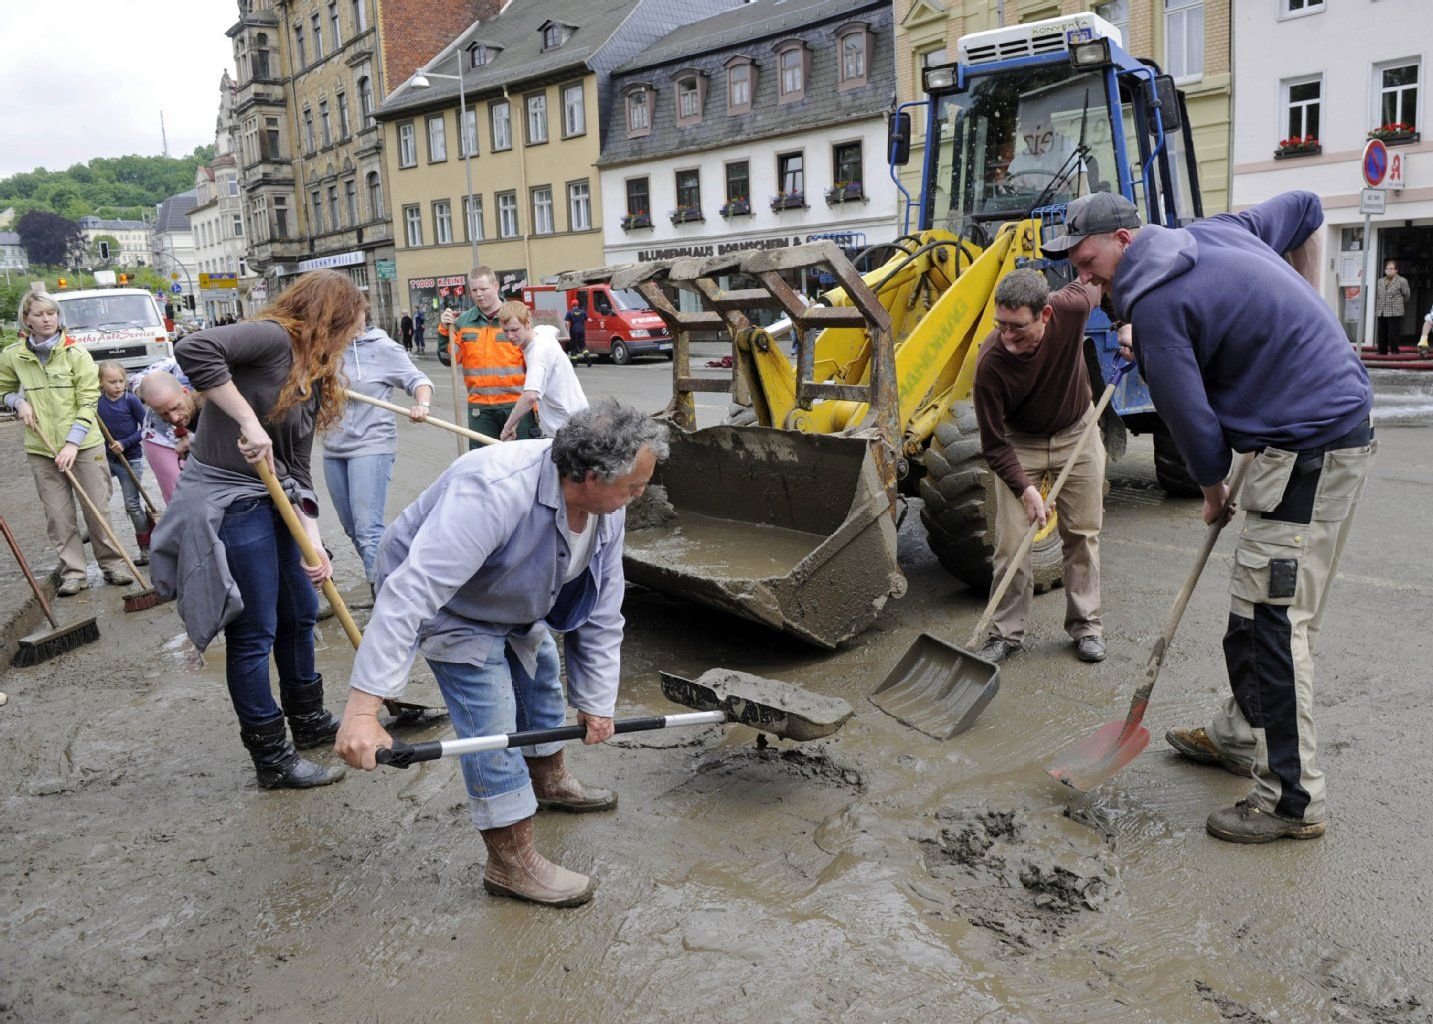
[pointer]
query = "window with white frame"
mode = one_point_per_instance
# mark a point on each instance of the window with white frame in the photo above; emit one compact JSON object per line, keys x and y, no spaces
{"x":574,"y":111}
{"x":500,"y":114}
{"x":407,"y":145}
{"x":1303,"y":103}
{"x":317,"y":21}
{"x":333,"y":24}
{"x":689,"y":100}
{"x":413,"y":225}
{"x":238,"y":225}
{"x":507,"y":214}
{"x":360,"y":16}
{"x":443,"y":221}
{"x":437,"y":139}
{"x":536,"y":118}
{"x":542,"y":222}
{"x":473,"y":210}
{"x":639,"y":111}
{"x":1184,"y":38}
{"x":579,"y":206}
{"x":1398,"y":94}
{"x":468,"y":137}
{"x":1300,"y":6}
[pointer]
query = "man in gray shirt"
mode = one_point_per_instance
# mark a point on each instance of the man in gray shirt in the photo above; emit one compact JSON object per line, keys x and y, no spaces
{"x":510,"y":542}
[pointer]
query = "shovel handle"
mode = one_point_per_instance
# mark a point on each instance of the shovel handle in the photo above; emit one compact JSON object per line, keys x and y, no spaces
{"x":306,"y":548}
{"x":380,"y":403}
{"x":401,"y":754}
{"x":1029,"y":539}
{"x":100,"y":517}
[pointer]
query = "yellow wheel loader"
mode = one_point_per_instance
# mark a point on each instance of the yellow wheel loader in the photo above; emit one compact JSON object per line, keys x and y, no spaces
{"x":790,"y":517}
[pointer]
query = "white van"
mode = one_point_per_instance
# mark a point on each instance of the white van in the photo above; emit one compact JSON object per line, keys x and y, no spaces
{"x":126,"y":324}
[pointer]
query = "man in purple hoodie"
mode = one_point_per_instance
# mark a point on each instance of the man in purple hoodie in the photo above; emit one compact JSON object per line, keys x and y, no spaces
{"x":1240,"y":352}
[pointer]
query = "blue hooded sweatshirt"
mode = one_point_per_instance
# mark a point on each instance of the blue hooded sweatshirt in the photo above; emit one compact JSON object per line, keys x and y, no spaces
{"x":1238,"y":351}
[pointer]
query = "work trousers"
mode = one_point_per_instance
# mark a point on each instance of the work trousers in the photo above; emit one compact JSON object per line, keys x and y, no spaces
{"x":1080,"y":508}
{"x":489,"y":420}
{"x":1299,"y":509}
{"x":91,"y":469}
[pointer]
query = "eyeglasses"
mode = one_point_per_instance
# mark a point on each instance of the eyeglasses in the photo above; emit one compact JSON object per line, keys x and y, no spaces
{"x":1009,"y":328}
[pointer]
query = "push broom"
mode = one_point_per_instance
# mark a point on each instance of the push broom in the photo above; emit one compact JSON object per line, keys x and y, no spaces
{"x":56,"y":640}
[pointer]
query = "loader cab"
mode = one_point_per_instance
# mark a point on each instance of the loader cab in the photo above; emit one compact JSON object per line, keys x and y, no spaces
{"x":1034,"y":115}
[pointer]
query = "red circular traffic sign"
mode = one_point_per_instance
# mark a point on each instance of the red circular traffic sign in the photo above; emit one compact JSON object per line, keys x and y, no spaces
{"x":1375,"y":162}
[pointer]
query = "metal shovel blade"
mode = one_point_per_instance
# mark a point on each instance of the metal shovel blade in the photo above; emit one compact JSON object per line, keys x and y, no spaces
{"x":937,"y":688}
{"x":1099,"y":757}
{"x":767,"y":704}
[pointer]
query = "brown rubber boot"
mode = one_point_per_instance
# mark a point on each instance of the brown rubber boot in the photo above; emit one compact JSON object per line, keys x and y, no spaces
{"x":558,"y":789}
{"x":516,"y":869}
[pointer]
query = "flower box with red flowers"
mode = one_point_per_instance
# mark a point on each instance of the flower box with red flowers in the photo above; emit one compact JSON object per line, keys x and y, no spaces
{"x":1395,"y":133}
{"x":1306,"y":145}
{"x":632,"y":221}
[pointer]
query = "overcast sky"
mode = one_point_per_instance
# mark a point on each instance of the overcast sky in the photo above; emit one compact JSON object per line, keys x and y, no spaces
{"x":88,"y":78}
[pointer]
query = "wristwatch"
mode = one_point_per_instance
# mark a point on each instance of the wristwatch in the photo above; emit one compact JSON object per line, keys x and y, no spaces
{"x":425,"y":405}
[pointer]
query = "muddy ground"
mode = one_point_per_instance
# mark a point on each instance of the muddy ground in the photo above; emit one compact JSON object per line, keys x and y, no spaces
{"x":876,"y":876}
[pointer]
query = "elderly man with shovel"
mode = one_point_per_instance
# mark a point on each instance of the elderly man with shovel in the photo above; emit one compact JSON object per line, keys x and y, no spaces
{"x":1033,"y":401}
{"x":512,"y":541}
{"x":1240,"y":351}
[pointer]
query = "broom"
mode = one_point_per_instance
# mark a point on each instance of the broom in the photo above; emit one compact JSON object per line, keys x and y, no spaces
{"x":51,"y":643}
{"x":109,"y":439}
{"x":146,"y":598}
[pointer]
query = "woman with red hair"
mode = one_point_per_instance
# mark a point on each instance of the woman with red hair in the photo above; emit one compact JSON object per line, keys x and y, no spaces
{"x":222,"y":548}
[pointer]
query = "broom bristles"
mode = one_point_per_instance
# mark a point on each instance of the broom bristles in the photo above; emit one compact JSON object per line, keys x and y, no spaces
{"x":142,"y":601}
{"x":37,"y":648}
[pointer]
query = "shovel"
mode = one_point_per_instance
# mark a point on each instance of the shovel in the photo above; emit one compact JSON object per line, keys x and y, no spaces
{"x":722,"y":695}
{"x":402,"y":710}
{"x":940,"y":689}
{"x":1115,"y":744}
{"x":472,"y":435}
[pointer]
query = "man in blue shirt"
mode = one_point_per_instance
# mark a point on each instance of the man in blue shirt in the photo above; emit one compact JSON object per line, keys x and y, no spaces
{"x":512,"y":541}
{"x":1240,"y":351}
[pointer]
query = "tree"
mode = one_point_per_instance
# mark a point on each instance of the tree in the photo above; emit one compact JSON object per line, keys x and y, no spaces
{"x":49,"y":239}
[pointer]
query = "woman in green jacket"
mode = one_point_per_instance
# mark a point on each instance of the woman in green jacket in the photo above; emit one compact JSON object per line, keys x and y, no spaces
{"x":52,"y":385}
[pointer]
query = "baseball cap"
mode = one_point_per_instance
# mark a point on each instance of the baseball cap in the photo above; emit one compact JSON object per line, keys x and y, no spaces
{"x":1096,"y":214}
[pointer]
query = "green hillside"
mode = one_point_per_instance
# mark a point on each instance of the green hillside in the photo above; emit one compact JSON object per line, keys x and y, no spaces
{"x":110,"y":187}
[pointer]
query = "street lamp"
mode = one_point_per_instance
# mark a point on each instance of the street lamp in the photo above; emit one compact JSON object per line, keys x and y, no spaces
{"x":420,"y":81}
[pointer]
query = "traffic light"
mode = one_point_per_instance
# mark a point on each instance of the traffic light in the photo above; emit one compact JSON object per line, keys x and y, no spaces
{"x":189,"y":301}
{"x":62,"y":284}
{"x":104,"y":250}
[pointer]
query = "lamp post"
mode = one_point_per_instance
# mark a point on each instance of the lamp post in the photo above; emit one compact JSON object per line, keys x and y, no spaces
{"x":420,"y":81}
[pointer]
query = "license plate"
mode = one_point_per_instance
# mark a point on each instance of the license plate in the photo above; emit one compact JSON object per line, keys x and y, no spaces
{"x":665,"y":346}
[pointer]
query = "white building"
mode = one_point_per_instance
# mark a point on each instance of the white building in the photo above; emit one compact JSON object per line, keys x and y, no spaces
{"x":172,"y":252}
{"x":1314,"y":79}
{"x":133,"y":237}
{"x":762,"y":127}
{"x":217,"y":222}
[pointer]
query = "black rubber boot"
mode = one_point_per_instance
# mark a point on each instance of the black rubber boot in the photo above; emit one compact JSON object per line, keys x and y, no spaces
{"x":312,"y":723}
{"x":279,"y":766}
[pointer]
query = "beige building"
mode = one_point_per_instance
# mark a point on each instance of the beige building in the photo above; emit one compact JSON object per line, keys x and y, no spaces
{"x":1189,"y":39}
{"x":536,"y":79}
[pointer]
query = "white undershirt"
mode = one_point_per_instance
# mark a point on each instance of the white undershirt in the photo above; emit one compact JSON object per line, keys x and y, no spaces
{"x":579,"y":548}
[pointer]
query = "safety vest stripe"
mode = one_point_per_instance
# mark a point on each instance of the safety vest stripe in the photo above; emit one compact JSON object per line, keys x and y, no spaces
{"x":494,"y":371}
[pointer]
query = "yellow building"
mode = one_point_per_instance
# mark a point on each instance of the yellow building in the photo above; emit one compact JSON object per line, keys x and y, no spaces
{"x":1188,"y":39}
{"x":535,"y":80}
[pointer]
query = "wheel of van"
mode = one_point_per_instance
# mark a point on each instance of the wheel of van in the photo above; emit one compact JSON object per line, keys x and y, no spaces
{"x":1170,"y":470}
{"x":621,"y":355}
{"x":959,"y":507}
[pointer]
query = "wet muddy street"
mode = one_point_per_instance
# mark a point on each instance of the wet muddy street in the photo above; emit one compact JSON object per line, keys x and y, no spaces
{"x":878,"y":875}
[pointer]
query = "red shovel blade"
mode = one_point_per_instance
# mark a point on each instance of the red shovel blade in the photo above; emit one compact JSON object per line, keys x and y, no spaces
{"x":1100,"y":757}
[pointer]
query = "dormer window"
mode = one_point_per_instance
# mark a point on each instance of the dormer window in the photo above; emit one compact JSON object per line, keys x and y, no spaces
{"x":740,"y":84}
{"x":793,"y":68}
{"x":853,"y":43}
{"x":554,"y":34}
{"x":691,"y":96}
{"x":480,"y":54}
{"x":639,"y":112}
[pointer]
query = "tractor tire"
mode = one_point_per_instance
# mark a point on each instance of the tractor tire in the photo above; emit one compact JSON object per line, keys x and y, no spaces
{"x":1169,"y":469}
{"x":959,"y":507}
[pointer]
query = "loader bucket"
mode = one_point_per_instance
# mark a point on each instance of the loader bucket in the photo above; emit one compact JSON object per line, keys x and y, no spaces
{"x":795,"y":531}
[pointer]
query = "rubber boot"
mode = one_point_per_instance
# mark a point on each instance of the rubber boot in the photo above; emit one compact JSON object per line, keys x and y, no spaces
{"x":558,"y":789}
{"x":312,"y":723}
{"x":516,"y":869}
{"x":279,"y":766}
{"x":142,"y":541}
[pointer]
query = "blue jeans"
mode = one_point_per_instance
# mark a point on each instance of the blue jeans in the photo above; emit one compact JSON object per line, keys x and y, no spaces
{"x":133,"y":504}
{"x":498,"y":696}
{"x":280,"y":609}
{"x":359,"y":489}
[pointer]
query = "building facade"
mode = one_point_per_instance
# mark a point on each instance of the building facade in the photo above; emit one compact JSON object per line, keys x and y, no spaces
{"x":1306,"y":112}
{"x":1188,"y":39}
{"x":133,"y":236}
{"x":12,"y":253}
{"x":762,"y":127}
{"x":172,"y":250}
{"x":311,"y":74}
{"x":536,"y":80}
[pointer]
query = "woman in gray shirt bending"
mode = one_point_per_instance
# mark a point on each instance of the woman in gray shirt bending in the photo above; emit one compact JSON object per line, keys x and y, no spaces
{"x":222,"y":548}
